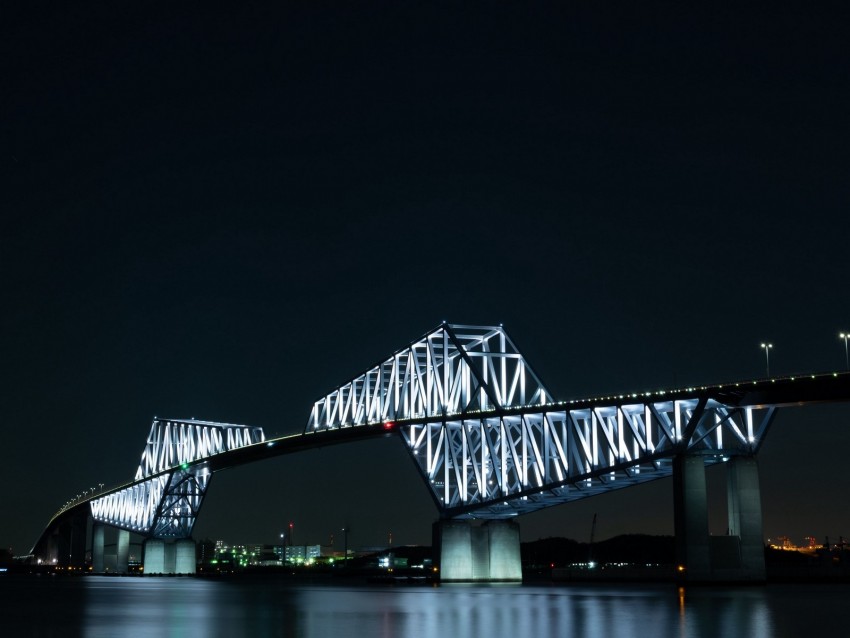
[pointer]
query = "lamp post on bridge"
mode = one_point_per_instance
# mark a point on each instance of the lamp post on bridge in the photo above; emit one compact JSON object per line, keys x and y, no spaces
{"x":766,"y":347}
{"x":845,"y":336}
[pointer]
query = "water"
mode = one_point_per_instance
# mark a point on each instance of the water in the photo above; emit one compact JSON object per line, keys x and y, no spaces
{"x":99,"y":606}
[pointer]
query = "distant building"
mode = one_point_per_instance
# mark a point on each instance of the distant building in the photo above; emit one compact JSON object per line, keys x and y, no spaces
{"x":302,"y":553}
{"x":205,"y":551}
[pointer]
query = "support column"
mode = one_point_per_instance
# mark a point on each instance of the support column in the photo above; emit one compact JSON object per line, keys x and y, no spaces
{"x":78,"y":540}
{"x":122,"y":553}
{"x":154,"y":561}
{"x":454,"y":540}
{"x":97,"y":542}
{"x":505,"y":561}
{"x":693,"y":553}
{"x":745,"y":520}
{"x":486,"y":553}
{"x":186,"y":560}
{"x":53,"y":549}
{"x":170,"y":558}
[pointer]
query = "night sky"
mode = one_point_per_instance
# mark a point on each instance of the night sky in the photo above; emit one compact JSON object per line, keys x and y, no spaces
{"x":224,"y":214}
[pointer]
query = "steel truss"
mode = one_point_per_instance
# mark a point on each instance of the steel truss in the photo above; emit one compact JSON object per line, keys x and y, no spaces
{"x":451,"y":370}
{"x":170,"y":483}
{"x":527,"y":459}
{"x":489,"y":442}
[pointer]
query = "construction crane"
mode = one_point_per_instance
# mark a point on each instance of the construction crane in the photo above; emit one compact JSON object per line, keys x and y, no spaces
{"x":592,"y":535}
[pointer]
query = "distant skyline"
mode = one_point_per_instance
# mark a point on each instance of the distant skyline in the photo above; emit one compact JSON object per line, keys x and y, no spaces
{"x":226,"y":212}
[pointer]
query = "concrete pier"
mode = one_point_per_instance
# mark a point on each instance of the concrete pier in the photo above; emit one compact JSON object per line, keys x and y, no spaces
{"x":122,"y":551}
{"x":163,"y":557}
{"x":693,"y":554}
{"x":737,"y":556}
{"x":154,"y":557}
{"x":97,"y":546}
{"x":745,"y":520}
{"x":66,"y":545}
{"x":485,"y":553}
{"x":185,"y":561}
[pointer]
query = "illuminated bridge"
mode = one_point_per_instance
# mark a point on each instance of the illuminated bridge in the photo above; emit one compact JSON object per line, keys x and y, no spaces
{"x":490,"y":443}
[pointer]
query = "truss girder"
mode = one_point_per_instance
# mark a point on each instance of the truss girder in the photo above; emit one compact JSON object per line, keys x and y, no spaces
{"x":172,"y":480}
{"x":172,"y":443}
{"x":181,"y":501}
{"x":453,"y":369}
{"x":487,"y":439}
{"x":502,"y":465}
{"x":132,"y":508}
{"x":163,"y":506}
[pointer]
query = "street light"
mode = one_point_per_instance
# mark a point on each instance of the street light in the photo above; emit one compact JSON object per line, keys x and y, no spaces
{"x":766,"y":347}
{"x":845,"y":336}
{"x":345,"y":547}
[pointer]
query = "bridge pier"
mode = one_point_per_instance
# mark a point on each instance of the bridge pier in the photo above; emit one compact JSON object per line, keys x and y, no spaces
{"x":485,"y":553}
{"x":154,"y":557}
{"x":739,"y":555}
{"x":117,"y":562}
{"x":98,"y":532}
{"x":745,"y":519}
{"x":163,"y":557}
{"x":690,"y":510}
{"x":122,"y":552}
{"x":185,"y":557}
{"x":50,"y":549}
{"x":66,"y":544}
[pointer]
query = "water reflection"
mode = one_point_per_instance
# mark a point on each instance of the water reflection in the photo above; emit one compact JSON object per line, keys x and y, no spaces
{"x":149,"y":607}
{"x":185,"y":608}
{"x":155,"y":607}
{"x":719,"y":611}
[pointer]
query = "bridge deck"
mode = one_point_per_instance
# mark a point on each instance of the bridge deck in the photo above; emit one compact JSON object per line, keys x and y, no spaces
{"x":796,"y":390}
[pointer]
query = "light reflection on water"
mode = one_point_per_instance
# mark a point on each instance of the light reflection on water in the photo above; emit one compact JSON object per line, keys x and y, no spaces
{"x":186,"y":608}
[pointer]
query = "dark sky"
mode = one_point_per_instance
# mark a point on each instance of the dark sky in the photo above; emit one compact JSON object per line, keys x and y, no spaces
{"x":224,"y":214}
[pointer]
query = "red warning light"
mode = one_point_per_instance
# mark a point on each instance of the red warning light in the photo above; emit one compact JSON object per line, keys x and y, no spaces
{"x":389,"y":425}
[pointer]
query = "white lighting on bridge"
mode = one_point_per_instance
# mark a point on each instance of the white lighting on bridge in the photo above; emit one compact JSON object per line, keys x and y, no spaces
{"x":482,"y":428}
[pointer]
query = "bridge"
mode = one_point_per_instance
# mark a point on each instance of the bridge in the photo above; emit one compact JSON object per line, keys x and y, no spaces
{"x":490,"y":443}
